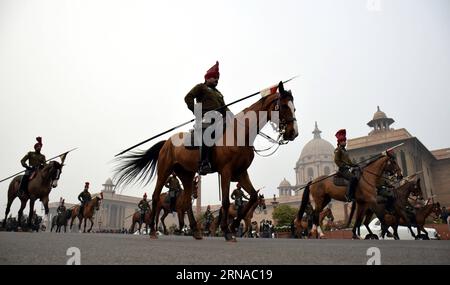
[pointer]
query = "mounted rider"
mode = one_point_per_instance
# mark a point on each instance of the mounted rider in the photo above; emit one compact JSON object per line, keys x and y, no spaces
{"x":84,"y":197}
{"x":344,"y":163}
{"x":238,"y":195}
{"x":208,"y":217}
{"x":174,"y":190}
{"x":211,"y":99}
{"x":143,"y":206}
{"x":36,"y":160}
{"x":61,"y":208}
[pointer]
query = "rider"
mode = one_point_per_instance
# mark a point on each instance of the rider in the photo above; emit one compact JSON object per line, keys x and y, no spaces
{"x":238,"y":196}
{"x":211,"y":99}
{"x":61,"y":208}
{"x":144,"y":206}
{"x":35,"y":160}
{"x":208,"y":216}
{"x":174,"y":189}
{"x":386,"y":190}
{"x":84,"y":198}
{"x":342,"y":160}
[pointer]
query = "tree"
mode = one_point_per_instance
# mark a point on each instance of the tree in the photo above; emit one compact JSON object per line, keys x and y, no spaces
{"x":284,"y":215}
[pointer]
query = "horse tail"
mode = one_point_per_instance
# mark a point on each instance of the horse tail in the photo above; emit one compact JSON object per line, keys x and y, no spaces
{"x":305,"y":200}
{"x":350,"y":217}
{"x":68,"y":214}
{"x":138,"y":165}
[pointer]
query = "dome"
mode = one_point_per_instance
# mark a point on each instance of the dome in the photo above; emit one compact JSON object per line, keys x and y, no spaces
{"x":317,"y":147}
{"x":285,"y":183}
{"x":108,"y":182}
{"x":379,"y":114}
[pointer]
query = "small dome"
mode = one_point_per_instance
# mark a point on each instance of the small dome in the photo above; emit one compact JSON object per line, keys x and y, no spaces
{"x":379,"y":114}
{"x":285,"y":183}
{"x":109,"y":182}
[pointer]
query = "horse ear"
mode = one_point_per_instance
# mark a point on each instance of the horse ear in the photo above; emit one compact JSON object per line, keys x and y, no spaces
{"x":281,"y":87}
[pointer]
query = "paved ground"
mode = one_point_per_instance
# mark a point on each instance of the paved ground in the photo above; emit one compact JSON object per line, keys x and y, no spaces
{"x":51,"y":248}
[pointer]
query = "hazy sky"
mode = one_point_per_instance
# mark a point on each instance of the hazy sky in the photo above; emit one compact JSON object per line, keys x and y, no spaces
{"x":104,"y":75}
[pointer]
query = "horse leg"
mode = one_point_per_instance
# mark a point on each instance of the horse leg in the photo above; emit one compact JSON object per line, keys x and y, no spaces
{"x":193,"y":224}
{"x":359,"y":218}
{"x":411,"y":231}
{"x":248,"y":187}
{"x":163,"y":217}
{"x":163,"y":174}
{"x":8,"y":208}
{"x":92,"y":224}
{"x":225,"y":179}
{"x":187,"y":179}
{"x":367,"y":219}
{"x":31,"y":212}
{"x":20,"y":214}
{"x":395,"y":227}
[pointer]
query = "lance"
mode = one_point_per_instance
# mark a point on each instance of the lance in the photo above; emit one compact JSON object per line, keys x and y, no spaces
{"x":62,"y":156}
{"x":190,"y":121}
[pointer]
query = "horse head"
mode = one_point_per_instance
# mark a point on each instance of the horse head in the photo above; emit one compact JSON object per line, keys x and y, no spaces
{"x":392,"y":168}
{"x":261,"y":202}
{"x":417,"y":190}
{"x":437,"y":210}
{"x":52,"y":171}
{"x":98,"y":201}
{"x":283,"y":104}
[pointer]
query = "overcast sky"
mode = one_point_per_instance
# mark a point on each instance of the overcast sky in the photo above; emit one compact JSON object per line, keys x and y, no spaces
{"x":105,"y":75}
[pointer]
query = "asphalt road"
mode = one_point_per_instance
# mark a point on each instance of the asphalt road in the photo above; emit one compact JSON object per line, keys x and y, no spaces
{"x":52,"y":248}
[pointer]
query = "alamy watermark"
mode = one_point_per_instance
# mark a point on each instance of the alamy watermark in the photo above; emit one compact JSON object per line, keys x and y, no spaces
{"x":375,"y":256}
{"x":75,"y":256}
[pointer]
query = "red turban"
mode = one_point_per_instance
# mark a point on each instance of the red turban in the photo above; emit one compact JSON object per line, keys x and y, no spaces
{"x":39,"y":142}
{"x":341,"y":135}
{"x":213,"y":72}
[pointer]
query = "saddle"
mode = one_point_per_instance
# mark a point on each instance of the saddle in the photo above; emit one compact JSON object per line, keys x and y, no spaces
{"x":339,"y":180}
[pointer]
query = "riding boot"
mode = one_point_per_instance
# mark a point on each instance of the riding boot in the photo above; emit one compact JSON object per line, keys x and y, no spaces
{"x":205,"y":166}
{"x":350,"y":196}
{"x":23,"y":185}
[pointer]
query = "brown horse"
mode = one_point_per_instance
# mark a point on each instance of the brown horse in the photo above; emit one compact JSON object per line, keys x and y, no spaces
{"x":323,"y":189}
{"x":137,"y":219}
{"x":232,"y":214}
{"x":231,"y":158}
{"x":401,"y":195}
{"x":164,"y":205}
{"x":39,"y":187}
{"x":303,"y":228}
{"x":419,"y":221}
{"x":88,"y":213}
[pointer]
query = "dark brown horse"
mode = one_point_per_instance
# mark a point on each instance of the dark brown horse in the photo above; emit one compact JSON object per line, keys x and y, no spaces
{"x":88,"y":213}
{"x":230,"y":159}
{"x":401,"y":195}
{"x":39,"y":187}
{"x":164,"y":205}
{"x":60,"y":220}
{"x":303,"y":228}
{"x":419,"y":220}
{"x":232,"y":214}
{"x":137,"y":219}
{"x":323,"y":189}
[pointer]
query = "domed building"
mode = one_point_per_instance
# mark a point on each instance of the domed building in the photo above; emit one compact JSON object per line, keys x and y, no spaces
{"x":316,"y":159}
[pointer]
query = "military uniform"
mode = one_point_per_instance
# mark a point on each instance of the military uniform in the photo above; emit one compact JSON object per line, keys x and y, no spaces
{"x":84,"y":197}
{"x":211,"y":99}
{"x":144,"y":206}
{"x":208,"y":216}
{"x":35,"y":160}
{"x":238,"y":196}
{"x":174,"y":188}
{"x":344,"y":163}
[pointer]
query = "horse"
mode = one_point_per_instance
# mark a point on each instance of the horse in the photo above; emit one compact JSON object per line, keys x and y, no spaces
{"x":45,"y":178}
{"x":60,"y":220}
{"x":137,"y":219}
{"x":88,"y":213}
{"x":420,"y":217}
{"x":232,"y":214}
{"x":164,"y":205}
{"x":303,"y":228}
{"x":230,"y":159}
{"x":401,"y":195}
{"x":322,"y":190}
